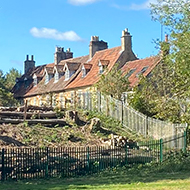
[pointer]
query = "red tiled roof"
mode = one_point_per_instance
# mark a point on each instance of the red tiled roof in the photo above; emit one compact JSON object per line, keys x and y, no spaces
{"x":51,"y":86}
{"x":24,"y":86}
{"x":108,"y":57}
{"x":59,"y":68}
{"x":138,"y":65}
{"x":87,"y":66}
{"x":49,"y":70}
{"x":105,"y":62}
{"x":93,"y":75}
{"x":72,"y":66}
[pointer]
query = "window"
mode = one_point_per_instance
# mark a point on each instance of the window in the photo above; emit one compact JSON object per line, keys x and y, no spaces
{"x":40,"y":101}
{"x":130,"y":73}
{"x":101,"y":70}
{"x":56,"y":77}
{"x":67,"y":74}
{"x":46,"y":78}
{"x":83,"y":72}
{"x":35,"y":82}
{"x":35,"y":101}
{"x":61,"y":100}
{"x":142,"y":71}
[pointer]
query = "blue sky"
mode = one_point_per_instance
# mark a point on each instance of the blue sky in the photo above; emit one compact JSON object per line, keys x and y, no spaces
{"x":36,"y":27}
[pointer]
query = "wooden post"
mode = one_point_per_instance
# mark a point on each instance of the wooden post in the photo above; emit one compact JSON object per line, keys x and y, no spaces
{"x":161,"y":150}
{"x":3,"y":165}
{"x":25,"y":109}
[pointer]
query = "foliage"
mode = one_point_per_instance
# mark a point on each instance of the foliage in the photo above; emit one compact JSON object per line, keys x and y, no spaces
{"x":7,"y":82}
{"x":59,"y":112}
{"x":165,"y":94}
{"x":113,"y":83}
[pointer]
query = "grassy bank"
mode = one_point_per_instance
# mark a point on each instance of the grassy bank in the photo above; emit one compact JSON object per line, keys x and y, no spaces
{"x":172,"y":181}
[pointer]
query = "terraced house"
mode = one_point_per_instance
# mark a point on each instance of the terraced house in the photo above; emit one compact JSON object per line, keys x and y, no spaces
{"x":66,"y":78}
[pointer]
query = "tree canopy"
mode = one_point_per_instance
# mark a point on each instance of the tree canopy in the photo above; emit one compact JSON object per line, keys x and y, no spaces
{"x":166,"y":93}
{"x":113,"y":83}
{"x":7,"y":82}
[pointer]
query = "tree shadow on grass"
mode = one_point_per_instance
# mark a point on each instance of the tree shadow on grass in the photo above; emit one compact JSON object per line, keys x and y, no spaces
{"x":10,"y":140}
{"x":93,"y":181}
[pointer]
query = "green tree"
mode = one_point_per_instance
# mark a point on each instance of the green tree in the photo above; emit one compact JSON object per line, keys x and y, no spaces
{"x":113,"y":83}
{"x":7,"y":82}
{"x":175,"y":16}
{"x":166,"y":94}
{"x":10,"y":78}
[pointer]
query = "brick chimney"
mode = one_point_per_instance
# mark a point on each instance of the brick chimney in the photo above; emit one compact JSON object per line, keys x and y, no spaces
{"x":96,"y":45}
{"x":165,"y":47}
{"x":61,"y":55}
{"x":126,"y":40}
{"x":28,"y":64}
{"x":69,"y":54}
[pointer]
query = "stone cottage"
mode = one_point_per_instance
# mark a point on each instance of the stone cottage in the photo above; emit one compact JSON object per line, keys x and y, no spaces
{"x":66,"y":78}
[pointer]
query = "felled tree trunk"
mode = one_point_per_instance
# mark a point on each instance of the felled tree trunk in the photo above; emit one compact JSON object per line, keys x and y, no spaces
{"x":72,"y":115}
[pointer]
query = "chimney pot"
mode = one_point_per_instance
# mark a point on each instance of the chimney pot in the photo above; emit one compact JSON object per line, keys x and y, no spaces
{"x":166,"y":38}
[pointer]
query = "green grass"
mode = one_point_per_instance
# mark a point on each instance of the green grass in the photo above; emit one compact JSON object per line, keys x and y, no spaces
{"x":120,"y":181}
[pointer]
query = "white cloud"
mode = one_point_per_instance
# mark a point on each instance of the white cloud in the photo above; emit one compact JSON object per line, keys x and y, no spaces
{"x":145,"y":5}
{"x":81,"y":2}
{"x":54,"y":34}
{"x":134,"y":6}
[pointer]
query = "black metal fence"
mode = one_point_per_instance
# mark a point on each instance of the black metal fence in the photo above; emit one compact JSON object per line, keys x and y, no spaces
{"x":30,"y":163}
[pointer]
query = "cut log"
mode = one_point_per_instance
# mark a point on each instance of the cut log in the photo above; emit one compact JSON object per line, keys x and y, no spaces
{"x":29,"y":115}
{"x":35,"y":121}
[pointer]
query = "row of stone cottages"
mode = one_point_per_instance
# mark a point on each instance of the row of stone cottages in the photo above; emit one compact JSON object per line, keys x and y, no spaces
{"x":55,"y":83}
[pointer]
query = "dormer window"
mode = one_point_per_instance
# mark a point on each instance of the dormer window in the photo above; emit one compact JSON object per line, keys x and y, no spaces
{"x":86,"y":67}
{"x":58,"y":72}
{"x":102,"y":65}
{"x":70,"y":69}
{"x":48,"y":74}
{"x":83,"y":71}
{"x":67,"y":74}
{"x":130,"y":73}
{"x":142,"y":71}
{"x":35,"y":80}
{"x":48,"y":77}
{"x":56,"y":77}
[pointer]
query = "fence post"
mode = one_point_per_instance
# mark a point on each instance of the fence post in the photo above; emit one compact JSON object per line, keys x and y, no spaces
{"x":3,"y":165}
{"x":88,"y":159}
{"x":122,"y":109}
{"x":161,"y":150}
{"x":185,"y":141}
{"x":147,"y":127}
{"x":126,"y":154}
{"x":47,"y":157}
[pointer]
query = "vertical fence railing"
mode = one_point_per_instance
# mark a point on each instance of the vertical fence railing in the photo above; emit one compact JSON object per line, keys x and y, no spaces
{"x":130,"y":118}
{"x":32,"y":163}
